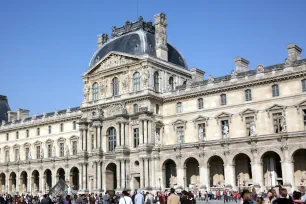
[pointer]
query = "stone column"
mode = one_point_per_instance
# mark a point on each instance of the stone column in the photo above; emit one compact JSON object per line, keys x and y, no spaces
{"x":84,"y":177}
{"x":287,"y":169}
{"x":123,"y":171}
{"x":150,"y":131}
{"x":104,"y":180}
{"x":229,"y":171}
{"x":122,"y":134}
{"x":141,"y":139}
{"x":86,"y":139}
{"x":99,"y":141}
{"x":257,"y":170}
{"x":203,"y":177}
{"x":17,"y":182}
{"x":118,"y":132}
{"x":127,"y":174}
{"x":145,"y":127}
{"x":118,"y":175}
{"x":96,"y":175}
{"x":81,"y":141}
{"x":141,"y":164}
{"x":146,"y":172}
{"x":80,"y":177}
{"x":180,"y":172}
{"x":152,"y":171}
{"x":42,"y":181}
{"x":126,"y":134}
{"x":100,"y":176}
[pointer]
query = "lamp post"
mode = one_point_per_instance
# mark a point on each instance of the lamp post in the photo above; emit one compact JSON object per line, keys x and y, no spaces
{"x":238,"y":178}
{"x":271,"y":178}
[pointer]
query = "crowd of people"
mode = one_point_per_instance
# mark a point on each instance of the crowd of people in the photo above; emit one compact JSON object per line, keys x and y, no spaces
{"x":276,"y":195}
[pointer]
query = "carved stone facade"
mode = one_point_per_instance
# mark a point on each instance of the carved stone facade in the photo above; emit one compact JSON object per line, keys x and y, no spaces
{"x":245,"y":129}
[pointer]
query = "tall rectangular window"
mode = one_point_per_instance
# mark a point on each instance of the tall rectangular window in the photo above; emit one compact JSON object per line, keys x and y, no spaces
{"x":38,"y":131}
{"x":74,"y":125}
{"x":223,"y":99}
{"x":62,"y":127}
{"x":7,"y":136}
{"x":7,"y":155}
{"x":248,"y":122}
{"x":92,"y":141}
{"x":275,"y":90}
{"x":27,"y":133}
{"x":27,"y":150}
{"x":224,"y":129}
{"x":17,"y":135}
{"x":74,"y":148}
{"x":136,"y":137}
{"x":16,"y":154}
{"x":180,"y":134}
{"x":49,"y":151}
{"x":200,"y":103}
{"x":201,"y":132}
{"x":248,"y":95}
{"x":157,"y":109}
{"x":37,"y":152}
{"x":304,"y":85}
{"x":277,"y":119}
{"x":62,"y":150}
{"x":179,"y":107}
{"x":49,"y":129}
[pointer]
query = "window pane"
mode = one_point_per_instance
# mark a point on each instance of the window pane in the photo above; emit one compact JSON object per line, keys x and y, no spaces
{"x":156,"y":81}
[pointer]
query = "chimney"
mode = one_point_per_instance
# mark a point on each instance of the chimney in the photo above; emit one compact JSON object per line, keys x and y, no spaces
{"x":241,"y":64}
{"x":21,"y":113}
{"x":161,"y":36}
{"x":11,"y":116}
{"x":102,"y":39}
{"x":197,"y":74}
{"x":294,"y":52}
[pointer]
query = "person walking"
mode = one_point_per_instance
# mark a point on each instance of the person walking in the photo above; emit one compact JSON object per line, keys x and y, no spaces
{"x":149,"y":198}
{"x":125,"y":199}
{"x":139,"y":199}
{"x":282,"y":197}
{"x":172,"y":198}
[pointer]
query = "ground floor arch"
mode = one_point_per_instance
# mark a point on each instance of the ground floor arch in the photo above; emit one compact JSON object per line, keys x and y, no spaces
{"x":35,"y":181}
{"x":3,"y":182}
{"x":24,"y":181}
{"x":272,"y":169}
{"x":74,"y":178}
{"x":169,"y":173}
{"x":216,"y":171}
{"x":111,"y":175}
{"x":12,"y":182}
{"x":60,"y":174}
{"x":192,"y":173}
{"x":243,"y":170}
{"x":48,"y":179}
{"x":299,"y":158}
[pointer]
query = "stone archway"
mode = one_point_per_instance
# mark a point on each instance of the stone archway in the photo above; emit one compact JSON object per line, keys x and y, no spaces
{"x":60,"y":174}
{"x":3,"y":182}
{"x":192,"y":173}
{"x":111,"y":175}
{"x":24,"y":181}
{"x":35,"y":181}
{"x":74,"y":178}
{"x":243,"y":170}
{"x":299,"y":158}
{"x":12,"y":182}
{"x":169,"y":173}
{"x":216,"y":172}
{"x":48,"y":179}
{"x":272,"y":169}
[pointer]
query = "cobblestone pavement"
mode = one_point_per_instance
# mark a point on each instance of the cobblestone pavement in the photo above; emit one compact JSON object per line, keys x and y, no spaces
{"x":215,"y":201}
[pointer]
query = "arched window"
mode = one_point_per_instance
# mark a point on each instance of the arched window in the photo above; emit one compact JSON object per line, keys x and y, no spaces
{"x":171,"y":84}
{"x":179,"y":107}
{"x":156,"y":81}
{"x":136,"y":81}
{"x":115,"y":86}
{"x":200,"y":103}
{"x":275,"y":90}
{"x":135,"y":108}
{"x":248,"y":95}
{"x":111,"y":133}
{"x":95,"y":92}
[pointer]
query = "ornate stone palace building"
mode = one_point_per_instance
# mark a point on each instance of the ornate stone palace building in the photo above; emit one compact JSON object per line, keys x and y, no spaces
{"x":148,"y":121}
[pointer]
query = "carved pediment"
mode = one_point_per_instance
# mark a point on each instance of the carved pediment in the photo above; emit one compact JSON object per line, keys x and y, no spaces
{"x":16,"y":146}
{"x":179,"y":122}
{"x":111,"y":60}
{"x":49,"y":141}
{"x":276,"y":107}
{"x":27,"y":144}
{"x":248,"y":111}
{"x":74,"y":137}
{"x":201,"y":118}
{"x":37,"y":143}
{"x":224,"y":115}
{"x":61,"y":139}
{"x":115,"y":109}
{"x":301,"y":104}
{"x":6,"y":147}
{"x":159,"y":123}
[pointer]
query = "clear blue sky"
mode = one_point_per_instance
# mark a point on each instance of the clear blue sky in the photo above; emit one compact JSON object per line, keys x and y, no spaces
{"x":45,"y":46}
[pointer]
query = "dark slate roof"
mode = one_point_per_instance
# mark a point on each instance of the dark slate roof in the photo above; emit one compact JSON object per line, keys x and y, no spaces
{"x":137,"y":43}
{"x":4,"y":107}
{"x":243,"y":74}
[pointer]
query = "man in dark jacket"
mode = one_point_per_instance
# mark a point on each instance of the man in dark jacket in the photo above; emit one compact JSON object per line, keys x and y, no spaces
{"x":185,"y":199}
{"x":283,"y":197}
{"x":45,"y":200}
